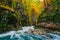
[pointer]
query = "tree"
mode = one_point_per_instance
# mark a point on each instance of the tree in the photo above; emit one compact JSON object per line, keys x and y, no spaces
{"x":52,"y":12}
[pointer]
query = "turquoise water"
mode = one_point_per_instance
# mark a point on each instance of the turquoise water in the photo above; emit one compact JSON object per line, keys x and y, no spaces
{"x":25,"y":36}
{"x":21,"y":35}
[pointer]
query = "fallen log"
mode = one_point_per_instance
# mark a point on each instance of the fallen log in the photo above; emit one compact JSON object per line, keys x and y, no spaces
{"x":48,"y":25}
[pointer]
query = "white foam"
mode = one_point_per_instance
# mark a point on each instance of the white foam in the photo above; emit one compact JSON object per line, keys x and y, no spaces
{"x":11,"y":33}
{"x":27,"y":28}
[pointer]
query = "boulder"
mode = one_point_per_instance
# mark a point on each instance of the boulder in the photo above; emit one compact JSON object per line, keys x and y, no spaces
{"x":37,"y":32}
{"x":48,"y":25}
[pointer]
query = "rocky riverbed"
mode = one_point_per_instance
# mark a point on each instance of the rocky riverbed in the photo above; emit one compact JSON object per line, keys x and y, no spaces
{"x":37,"y":32}
{"x":42,"y":31}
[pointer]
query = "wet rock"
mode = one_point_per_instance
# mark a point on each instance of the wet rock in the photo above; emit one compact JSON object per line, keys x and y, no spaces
{"x":48,"y":25}
{"x":37,"y":32}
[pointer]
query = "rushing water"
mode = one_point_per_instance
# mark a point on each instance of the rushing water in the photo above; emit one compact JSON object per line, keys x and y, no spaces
{"x":20,"y":35}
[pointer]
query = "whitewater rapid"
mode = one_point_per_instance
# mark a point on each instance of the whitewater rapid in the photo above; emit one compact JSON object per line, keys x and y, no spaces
{"x":21,"y":35}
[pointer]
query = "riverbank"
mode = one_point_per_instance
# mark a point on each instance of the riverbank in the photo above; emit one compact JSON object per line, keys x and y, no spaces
{"x":35,"y":30}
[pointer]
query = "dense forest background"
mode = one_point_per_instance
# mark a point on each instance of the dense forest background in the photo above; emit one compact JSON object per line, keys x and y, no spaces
{"x":17,"y":13}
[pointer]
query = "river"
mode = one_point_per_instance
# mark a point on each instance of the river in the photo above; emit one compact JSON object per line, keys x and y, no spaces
{"x":21,"y":35}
